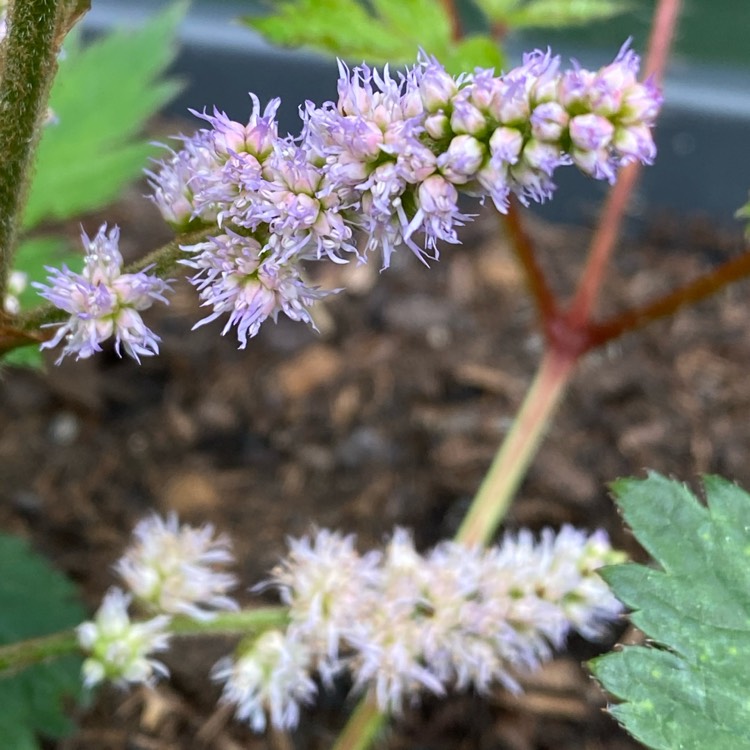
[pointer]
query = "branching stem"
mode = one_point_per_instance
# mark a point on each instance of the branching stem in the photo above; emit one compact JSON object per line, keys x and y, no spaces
{"x":523,"y":248}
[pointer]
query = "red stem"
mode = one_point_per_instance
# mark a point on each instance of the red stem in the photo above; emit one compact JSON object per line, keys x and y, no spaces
{"x":602,"y":244}
{"x":452,"y":12}
{"x":523,"y":248}
{"x":700,"y":288}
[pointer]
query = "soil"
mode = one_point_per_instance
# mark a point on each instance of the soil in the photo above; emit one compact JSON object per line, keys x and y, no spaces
{"x":388,"y":416}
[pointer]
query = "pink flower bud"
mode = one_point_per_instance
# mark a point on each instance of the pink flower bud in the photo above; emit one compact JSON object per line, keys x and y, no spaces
{"x":436,"y":86}
{"x":591,"y":132}
{"x":437,"y":126}
{"x":635,"y":143}
{"x":548,"y":121}
{"x":463,"y":158}
{"x":466,"y":118}
{"x":506,"y":144}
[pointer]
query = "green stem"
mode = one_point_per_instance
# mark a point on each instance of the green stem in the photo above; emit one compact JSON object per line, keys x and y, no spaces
{"x":16,"y":656}
{"x":258,"y":619}
{"x":30,"y":62}
{"x":363,"y":727}
{"x":511,"y":462}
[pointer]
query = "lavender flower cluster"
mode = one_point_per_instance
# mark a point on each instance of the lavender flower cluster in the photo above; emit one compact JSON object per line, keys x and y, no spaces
{"x":381,"y":167}
{"x":401,"y":623}
{"x":398,"y":622}
{"x":103,"y":301}
{"x":169,"y":569}
{"x":387,"y":162}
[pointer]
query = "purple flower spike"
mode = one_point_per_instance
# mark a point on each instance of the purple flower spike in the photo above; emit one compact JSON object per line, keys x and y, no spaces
{"x":388,"y":159}
{"x":103,"y":302}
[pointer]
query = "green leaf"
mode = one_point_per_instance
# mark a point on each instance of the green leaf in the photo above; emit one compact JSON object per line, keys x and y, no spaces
{"x":32,"y":257}
{"x":472,"y":52}
{"x":29,"y":357}
{"x":558,"y":13}
{"x":689,"y":689}
{"x":103,"y":95}
{"x":497,"y":10}
{"x":35,"y":600}
{"x":36,"y":253}
{"x":392,"y":32}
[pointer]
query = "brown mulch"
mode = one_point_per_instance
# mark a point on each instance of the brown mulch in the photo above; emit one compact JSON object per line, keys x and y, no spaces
{"x":388,"y":416}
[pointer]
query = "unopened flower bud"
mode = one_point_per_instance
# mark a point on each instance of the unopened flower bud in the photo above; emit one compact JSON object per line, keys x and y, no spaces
{"x":460,"y":162}
{"x":437,"y":126}
{"x":436,"y":87}
{"x":635,"y":143}
{"x":466,"y":118}
{"x":640,"y":104}
{"x":506,"y":144}
{"x":17,"y":283}
{"x":596,"y":163}
{"x":548,"y":121}
{"x":591,"y":132}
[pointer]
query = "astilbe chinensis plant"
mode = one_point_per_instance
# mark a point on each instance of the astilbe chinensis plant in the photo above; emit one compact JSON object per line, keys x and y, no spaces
{"x":119,"y":649}
{"x":385,"y":166}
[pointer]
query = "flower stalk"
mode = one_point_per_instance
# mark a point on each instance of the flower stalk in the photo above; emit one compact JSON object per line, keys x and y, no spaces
{"x":17,"y":656}
{"x":517,"y":451}
{"x":29,"y":65}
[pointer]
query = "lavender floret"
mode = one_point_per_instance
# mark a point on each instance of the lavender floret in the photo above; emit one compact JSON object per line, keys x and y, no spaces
{"x":103,"y":302}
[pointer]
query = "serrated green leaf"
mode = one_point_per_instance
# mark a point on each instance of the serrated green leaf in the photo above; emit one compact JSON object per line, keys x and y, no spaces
{"x":35,"y":600}
{"x":560,"y":13}
{"x":474,"y":52}
{"x":103,"y":95}
{"x":393,"y":32}
{"x":689,"y":690}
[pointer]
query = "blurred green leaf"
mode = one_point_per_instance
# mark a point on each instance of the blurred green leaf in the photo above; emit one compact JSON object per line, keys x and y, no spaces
{"x":689,"y":689}
{"x":103,"y":95}
{"x":391,"y":32}
{"x":558,"y":13}
{"x":497,"y":10}
{"x":32,"y":257}
{"x":29,"y":357}
{"x":474,"y":52}
{"x":36,"y":253}
{"x":35,"y":600}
